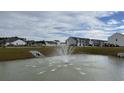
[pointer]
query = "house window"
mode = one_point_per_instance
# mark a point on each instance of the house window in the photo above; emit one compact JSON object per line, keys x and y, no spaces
{"x":116,"y":39}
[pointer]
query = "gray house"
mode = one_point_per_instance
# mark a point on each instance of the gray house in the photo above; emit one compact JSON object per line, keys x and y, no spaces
{"x":76,"y":41}
{"x":96,"y":42}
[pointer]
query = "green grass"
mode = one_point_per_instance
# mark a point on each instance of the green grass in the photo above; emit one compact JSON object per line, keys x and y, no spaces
{"x":23,"y":52}
{"x":99,"y":50}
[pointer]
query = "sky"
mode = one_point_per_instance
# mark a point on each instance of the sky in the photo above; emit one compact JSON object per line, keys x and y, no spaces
{"x":59,"y":25}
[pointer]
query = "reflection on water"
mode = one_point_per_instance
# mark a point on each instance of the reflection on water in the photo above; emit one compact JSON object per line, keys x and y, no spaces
{"x":80,"y":67}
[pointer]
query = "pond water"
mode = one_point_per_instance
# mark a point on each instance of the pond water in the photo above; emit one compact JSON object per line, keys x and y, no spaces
{"x":83,"y":67}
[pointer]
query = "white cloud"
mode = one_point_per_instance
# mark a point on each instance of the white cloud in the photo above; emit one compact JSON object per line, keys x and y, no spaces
{"x":120,"y":27}
{"x":44,"y":25}
{"x":93,"y":34}
{"x":98,"y":34}
{"x":115,"y":28}
{"x":122,"y":20}
{"x":112,"y":22}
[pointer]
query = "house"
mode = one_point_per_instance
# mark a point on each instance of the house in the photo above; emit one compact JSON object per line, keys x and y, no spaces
{"x":18,"y":42}
{"x":76,"y":41}
{"x":96,"y":42}
{"x":13,"y":41}
{"x":36,"y":43}
{"x":42,"y":43}
{"x":116,"y":39}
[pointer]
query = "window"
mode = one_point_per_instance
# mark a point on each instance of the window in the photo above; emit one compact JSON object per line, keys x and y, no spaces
{"x":116,"y":39}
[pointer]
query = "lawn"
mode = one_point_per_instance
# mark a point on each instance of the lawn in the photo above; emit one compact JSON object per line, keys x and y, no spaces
{"x":13,"y":53}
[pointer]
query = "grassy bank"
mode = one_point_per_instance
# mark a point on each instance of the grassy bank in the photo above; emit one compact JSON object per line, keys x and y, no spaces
{"x":23,"y":53}
{"x":99,"y":50}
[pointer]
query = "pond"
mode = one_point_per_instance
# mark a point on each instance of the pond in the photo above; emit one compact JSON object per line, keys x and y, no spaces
{"x":83,"y":67}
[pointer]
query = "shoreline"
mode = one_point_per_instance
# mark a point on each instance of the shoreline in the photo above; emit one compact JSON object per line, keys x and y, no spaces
{"x":18,"y":53}
{"x":15,"y":53}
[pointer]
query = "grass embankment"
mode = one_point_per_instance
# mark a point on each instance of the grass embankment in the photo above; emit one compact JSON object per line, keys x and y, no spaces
{"x":23,"y":53}
{"x":99,"y":50}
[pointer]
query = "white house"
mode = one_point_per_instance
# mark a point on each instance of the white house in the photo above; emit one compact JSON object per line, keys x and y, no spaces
{"x":18,"y":42}
{"x":96,"y":42}
{"x":76,"y":41}
{"x":116,"y":39}
{"x":15,"y":41}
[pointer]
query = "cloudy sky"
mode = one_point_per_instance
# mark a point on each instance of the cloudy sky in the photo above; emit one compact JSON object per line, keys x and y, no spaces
{"x":61,"y":25}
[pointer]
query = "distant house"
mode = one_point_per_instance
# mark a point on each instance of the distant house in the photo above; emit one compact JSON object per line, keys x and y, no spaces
{"x":35,"y":43}
{"x":76,"y":41}
{"x":96,"y":42}
{"x":14,"y":41}
{"x":116,"y":39}
{"x":42,"y":43}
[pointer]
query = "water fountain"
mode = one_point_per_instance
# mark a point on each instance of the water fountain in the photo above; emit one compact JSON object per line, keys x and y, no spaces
{"x":64,"y":52}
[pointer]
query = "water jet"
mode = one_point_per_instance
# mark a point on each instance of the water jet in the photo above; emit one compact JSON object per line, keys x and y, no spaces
{"x":65,"y":51}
